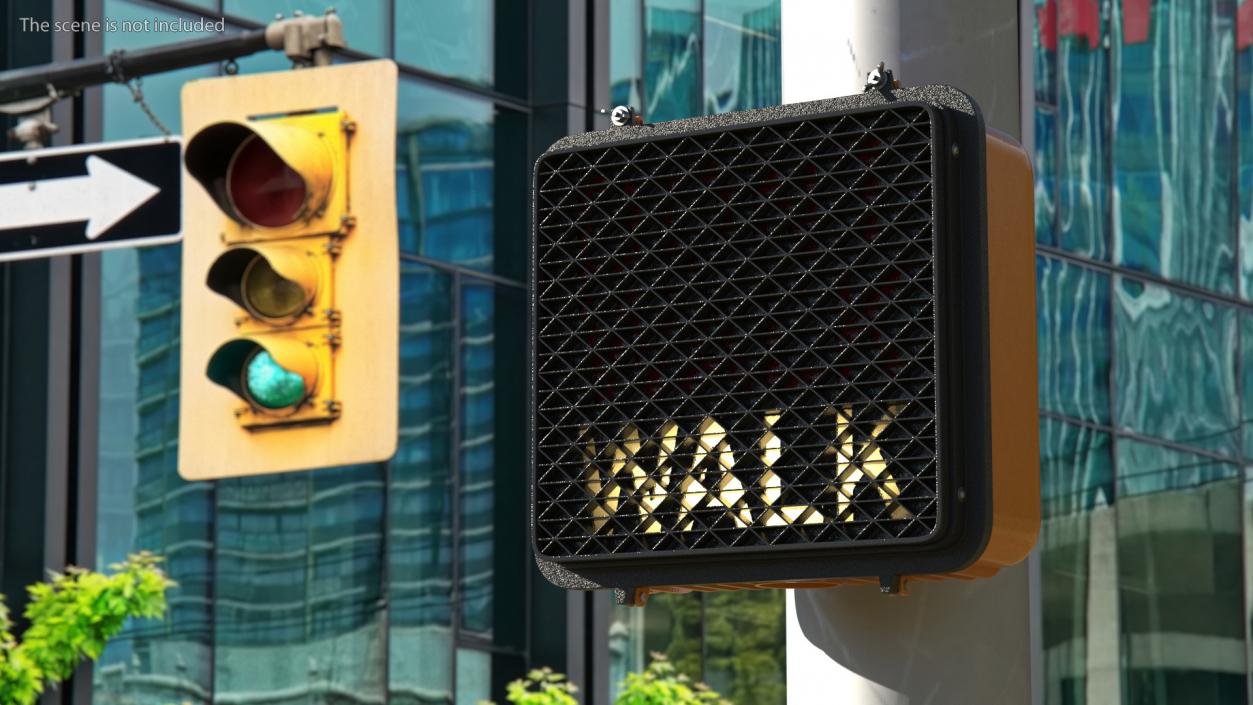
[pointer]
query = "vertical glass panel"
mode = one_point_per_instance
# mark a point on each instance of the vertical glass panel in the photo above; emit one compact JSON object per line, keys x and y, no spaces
{"x":1246,"y":382}
{"x":142,"y":502}
{"x":1073,"y":331}
{"x":1173,"y":140}
{"x":1045,"y":164}
{"x":420,"y":494}
{"x":1044,"y":43}
{"x":1244,"y":114}
{"x":1077,"y":579}
{"x":298,"y":586}
{"x":493,"y":412}
{"x":365,"y":21}
{"x":474,"y":676}
{"x":672,"y":59}
{"x":1083,"y":104}
{"x":455,"y":39}
{"x":1180,"y":577}
{"x":1176,"y":366}
{"x":746,"y":645}
{"x":625,"y":81}
{"x":742,"y":66}
{"x":444,"y":175}
{"x":670,"y":624}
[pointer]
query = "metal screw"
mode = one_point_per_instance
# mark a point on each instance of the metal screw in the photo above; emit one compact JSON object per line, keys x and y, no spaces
{"x":955,"y":151}
{"x":622,"y":116}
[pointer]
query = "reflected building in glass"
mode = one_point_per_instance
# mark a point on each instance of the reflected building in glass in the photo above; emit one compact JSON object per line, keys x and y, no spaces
{"x":408,"y":582}
{"x":1142,"y":124}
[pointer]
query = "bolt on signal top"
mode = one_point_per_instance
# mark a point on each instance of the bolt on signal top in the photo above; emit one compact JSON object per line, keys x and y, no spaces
{"x":787,"y":347}
{"x":290,"y":271}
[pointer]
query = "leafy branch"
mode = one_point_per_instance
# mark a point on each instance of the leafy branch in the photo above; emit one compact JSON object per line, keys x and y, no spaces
{"x":72,"y":617}
{"x":659,"y":684}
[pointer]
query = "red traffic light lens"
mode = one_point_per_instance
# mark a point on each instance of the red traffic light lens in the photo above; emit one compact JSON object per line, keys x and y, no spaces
{"x":263,"y":189}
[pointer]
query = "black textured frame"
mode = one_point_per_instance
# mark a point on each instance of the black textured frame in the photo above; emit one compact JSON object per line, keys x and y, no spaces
{"x":962,"y":482}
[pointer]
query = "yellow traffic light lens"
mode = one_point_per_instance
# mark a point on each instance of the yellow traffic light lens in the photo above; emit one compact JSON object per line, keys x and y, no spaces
{"x":270,"y":385}
{"x":268,"y":294}
{"x":263,"y":189}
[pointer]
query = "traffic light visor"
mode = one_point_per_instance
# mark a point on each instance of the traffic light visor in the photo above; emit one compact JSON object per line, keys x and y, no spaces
{"x":274,"y":375}
{"x":275,"y":284}
{"x":262,"y":173}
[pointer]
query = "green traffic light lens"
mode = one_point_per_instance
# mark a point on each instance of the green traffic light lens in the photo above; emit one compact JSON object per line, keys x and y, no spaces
{"x":270,"y":384}
{"x":269,"y":294}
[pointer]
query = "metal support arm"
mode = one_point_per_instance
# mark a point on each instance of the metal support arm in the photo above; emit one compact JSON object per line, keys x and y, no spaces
{"x":305,"y":39}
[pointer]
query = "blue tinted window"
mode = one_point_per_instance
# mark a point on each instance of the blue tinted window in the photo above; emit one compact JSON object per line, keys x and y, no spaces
{"x":142,"y":503}
{"x":625,"y":81}
{"x":492,"y":401}
{"x":1173,"y":142}
{"x":420,"y":539}
{"x":451,"y":38}
{"x":1083,"y":107}
{"x":741,"y":55}
{"x":1073,"y":333}
{"x":444,"y":175}
{"x":1045,"y":166}
{"x":1244,"y":116}
{"x":672,"y":59}
{"x":1175,"y":366}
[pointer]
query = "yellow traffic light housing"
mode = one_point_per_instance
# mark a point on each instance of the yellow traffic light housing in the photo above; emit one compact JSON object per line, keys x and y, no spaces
{"x":290,"y":271}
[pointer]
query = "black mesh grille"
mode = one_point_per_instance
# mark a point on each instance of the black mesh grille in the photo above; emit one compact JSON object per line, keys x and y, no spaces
{"x":734,"y":338}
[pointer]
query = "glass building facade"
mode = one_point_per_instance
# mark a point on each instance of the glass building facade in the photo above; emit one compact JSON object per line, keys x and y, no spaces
{"x":387,"y":583}
{"x":1144,"y":153}
{"x":408,"y":582}
{"x":674,"y":59}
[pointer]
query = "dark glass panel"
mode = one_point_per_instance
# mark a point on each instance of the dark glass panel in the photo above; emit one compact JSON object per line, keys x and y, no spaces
{"x":1073,"y":331}
{"x":1175,"y":366}
{"x":672,"y":59}
{"x":742,"y":55}
{"x":493,"y":406}
{"x":1173,"y":65}
{"x":420,"y":538}
{"x":1180,"y":577}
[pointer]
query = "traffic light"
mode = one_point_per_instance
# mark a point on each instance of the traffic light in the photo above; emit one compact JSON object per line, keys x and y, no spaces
{"x":290,"y":271}
{"x":788,"y":347}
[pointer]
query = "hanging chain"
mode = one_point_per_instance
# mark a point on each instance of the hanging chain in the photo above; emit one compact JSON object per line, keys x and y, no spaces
{"x":114,"y":69}
{"x":138,"y":94}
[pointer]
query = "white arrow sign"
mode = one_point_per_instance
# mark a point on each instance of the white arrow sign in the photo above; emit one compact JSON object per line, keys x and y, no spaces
{"x":104,"y":196}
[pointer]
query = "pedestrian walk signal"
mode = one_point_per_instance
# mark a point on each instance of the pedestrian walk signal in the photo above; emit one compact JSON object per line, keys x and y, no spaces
{"x":290,"y":273}
{"x":789,"y":347}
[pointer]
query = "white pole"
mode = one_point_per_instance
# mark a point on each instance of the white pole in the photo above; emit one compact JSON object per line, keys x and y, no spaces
{"x":947,"y":642}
